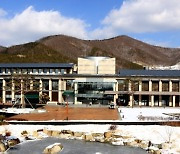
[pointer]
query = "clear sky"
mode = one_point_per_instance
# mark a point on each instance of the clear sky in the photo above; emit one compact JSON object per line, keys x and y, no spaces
{"x":153,"y":21}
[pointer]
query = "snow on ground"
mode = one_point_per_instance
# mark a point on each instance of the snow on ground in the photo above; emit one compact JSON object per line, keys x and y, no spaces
{"x":131,"y":114}
{"x":173,"y":67}
{"x":154,"y":133}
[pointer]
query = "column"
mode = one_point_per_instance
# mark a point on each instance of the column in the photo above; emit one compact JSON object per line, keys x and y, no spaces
{"x":160,"y":90}
{"x":130,"y":95}
{"x":115,"y":89}
{"x":151,"y":97}
{"x":170,"y":90}
{"x":50,"y":90}
{"x":140,"y":89}
{"x":170,"y":100}
{"x":152,"y":100}
{"x":22,"y":94}
{"x":4,"y":91}
{"x":13,"y":91}
{"x":40,"y":87}
{"x":131,"y":100}
{"x":75,"y":92}
{"x":31,"y":84}
{"x":174,"y":101}
{"x":60,"y":91}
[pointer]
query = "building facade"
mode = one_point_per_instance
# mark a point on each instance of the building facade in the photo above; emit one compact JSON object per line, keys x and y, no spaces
{"x":94,"y":80}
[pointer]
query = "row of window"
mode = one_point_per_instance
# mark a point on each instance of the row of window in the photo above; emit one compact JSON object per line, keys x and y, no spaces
{"x":35,"y":71}
{"x":124,"y":86}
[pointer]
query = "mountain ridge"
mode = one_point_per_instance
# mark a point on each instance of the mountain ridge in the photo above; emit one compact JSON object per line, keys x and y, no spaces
{"x":129,"y":52}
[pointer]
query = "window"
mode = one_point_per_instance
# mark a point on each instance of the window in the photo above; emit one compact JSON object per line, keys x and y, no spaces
{"x":45,"y":84}
{"x":54,"y":84}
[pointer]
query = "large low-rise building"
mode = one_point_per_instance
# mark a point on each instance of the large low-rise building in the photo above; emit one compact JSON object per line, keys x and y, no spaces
{"x":94,"y":80}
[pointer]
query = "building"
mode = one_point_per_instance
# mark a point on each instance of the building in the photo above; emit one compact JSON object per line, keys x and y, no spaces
{"x":94,"y":80}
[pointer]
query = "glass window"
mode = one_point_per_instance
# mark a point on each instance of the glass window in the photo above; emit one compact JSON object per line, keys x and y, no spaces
{"x":45,"y":84}
{"x":51,"y":71}
{"x":56,"y":71}
{"x":45,"y":70}
{"x":6,"y":70}
{"x":54,"y":84}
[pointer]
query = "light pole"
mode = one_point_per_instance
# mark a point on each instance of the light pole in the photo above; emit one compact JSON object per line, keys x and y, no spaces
{"x":67,"y":109}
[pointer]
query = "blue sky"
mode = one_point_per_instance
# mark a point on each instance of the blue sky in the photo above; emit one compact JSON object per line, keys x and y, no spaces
{"x":153,"y":21}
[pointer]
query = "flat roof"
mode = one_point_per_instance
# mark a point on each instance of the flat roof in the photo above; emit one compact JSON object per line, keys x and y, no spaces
{"x":36,"y":65}
{"x":153,"y":73}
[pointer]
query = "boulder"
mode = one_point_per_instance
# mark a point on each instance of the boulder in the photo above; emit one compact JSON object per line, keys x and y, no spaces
{"x":49,"y":132}
{"x":88,"y":137}
{"x":99,"y":139}
{"x":108,"y":134}
{"x":65,"y":136}
{"x":55,"y":133}
{"x":24,"y":133}
{"x":97,"y":134}
{"x":78,"y":134}
{"x":45,"y":130}
{"x":143,"y":145}
{"x":165,"y":145}
{"x":3,"y":147}
{"x":138,"y":140}
{"x":35,"y":134}
{"x":67,"y":132}
{"x":13,"y":142}
{"x":54,"y":148}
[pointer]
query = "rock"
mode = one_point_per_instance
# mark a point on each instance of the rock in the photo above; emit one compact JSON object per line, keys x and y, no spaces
{"x":35,"y":134}
{"x":118,"y":143}
{"x":78,"y":134}
{"x":143,"y":145}
{"x":108,"y":134}
{"x":13,"y":142}
{"x":97,"y":134}
{"x":137,"y":140}
{"x":126,"y":137}
{"x":116,"y":136}
{"x":165,"y":145}
{"x":49,"y":132}
{"x":24,"y":133}
{"x":53,"y":149}
{"x":45,"y":130}
{"x":55,"y":133}
{"x":67,"y":132}
{"x":88,"y":137}
{"x":99,"y":139}
{"x":3,"y":147}
{"x":65,"y":136}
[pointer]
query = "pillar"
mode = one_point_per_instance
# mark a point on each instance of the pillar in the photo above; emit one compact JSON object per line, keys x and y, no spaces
{"x":140,"y":89}
{"x":31,"y":84}
{"x":170,"y":86}
{"x":174,"y":101}
{"x":151,"y":97}
{"x":75,"y":92}
{"x":152,"y":100}
{"x":131,"y":100}
{"x":4,"y":91}
{"x":22,"y":94}
{"x":50,"y":90}
{"x":13,"y":91}
{"x":160,"y":90}
{"x":170,"y":100}
{"x":40,"y":87}
{"x":140,"y":100}
{"x":60,"y":100}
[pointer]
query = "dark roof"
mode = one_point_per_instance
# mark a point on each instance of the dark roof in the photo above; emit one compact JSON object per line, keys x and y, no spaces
{"x":36,"y":65}
{"x":153,"y":73}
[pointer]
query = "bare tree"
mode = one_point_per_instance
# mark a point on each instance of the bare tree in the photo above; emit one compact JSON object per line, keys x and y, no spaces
{"x":22,"y":84}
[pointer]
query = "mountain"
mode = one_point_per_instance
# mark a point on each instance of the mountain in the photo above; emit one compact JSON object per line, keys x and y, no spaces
{"x":2,"y":49}
{"x":129,"y":52}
